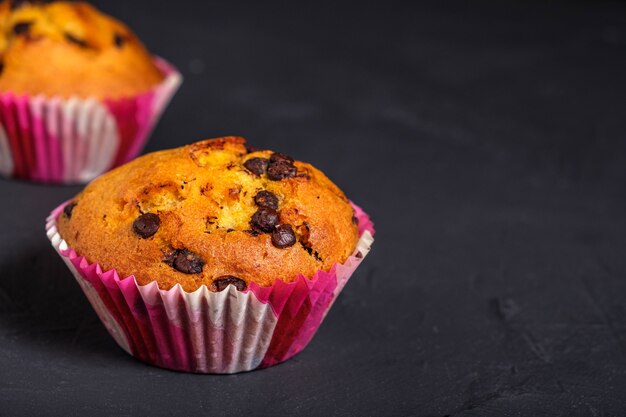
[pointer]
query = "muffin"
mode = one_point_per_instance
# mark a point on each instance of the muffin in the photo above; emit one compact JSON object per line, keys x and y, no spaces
{"x":46,"y":47}
{"x":253,"y":238}
{"x":74,"y":83}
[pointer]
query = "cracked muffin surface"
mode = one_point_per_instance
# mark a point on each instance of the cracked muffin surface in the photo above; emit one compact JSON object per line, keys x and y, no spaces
{"x":70,"y":49}
{"x":214,"y":213}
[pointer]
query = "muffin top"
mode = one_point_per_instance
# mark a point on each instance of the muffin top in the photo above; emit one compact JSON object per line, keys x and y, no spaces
{"x":213,"y":213}
{"x":70,"y":49}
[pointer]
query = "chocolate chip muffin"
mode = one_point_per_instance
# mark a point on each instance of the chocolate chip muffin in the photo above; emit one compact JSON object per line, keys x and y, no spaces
{"x":212,"y":213}
{"x":70,"y":49}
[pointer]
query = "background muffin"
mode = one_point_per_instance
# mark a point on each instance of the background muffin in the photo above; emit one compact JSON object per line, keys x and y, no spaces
{"x":79,"y":94}
{"x":70,"y":49}
{"x":212,"y":213}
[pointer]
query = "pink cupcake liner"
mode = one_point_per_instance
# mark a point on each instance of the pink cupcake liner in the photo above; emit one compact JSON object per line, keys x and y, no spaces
{"x":56,"y":140}
{"x":211,"y":332}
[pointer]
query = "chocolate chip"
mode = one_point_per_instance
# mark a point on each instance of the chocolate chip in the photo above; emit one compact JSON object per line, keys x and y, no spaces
{"x":146,"y":225}
{"x":256,"y":165}
{"x":281,"y":167}
{"x":73,"y":39}
{"x":355,"y":220}
{"x":264,"y":220}
{"x":221,"y":283}
{"x":280,"y":157}
{"x":67,"y":210}
{"x":184,"y":261}
{"x":266,"y":199}
{"x":21,"y":28}
{"x":119,"y":40}
{"x":1,"y":67}
{"x":359,"y":255}
{"x":283,"y":236}
{"x":281,"y":170}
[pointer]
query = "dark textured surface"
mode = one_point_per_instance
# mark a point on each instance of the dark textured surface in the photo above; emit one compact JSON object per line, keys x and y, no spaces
{"x":486,"y":141}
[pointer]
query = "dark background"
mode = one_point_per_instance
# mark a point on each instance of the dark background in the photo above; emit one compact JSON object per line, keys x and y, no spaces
{"x":486,"y":140}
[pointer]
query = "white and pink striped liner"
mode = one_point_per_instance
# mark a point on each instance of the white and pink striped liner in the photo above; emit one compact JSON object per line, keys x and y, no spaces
{"x":56,"y":140}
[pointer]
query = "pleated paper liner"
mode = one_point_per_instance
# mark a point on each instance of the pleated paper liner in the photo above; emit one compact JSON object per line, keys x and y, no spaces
{"x":211,"y":332}
{"x":56,"y":140}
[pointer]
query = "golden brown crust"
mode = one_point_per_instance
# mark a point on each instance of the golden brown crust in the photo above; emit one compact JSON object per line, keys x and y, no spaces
{"x":203,"y":196}
{"x":70,"y":49}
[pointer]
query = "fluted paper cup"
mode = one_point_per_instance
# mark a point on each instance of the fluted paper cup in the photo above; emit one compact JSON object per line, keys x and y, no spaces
{"x":211,"y":332}
{"x":73,"y":140}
